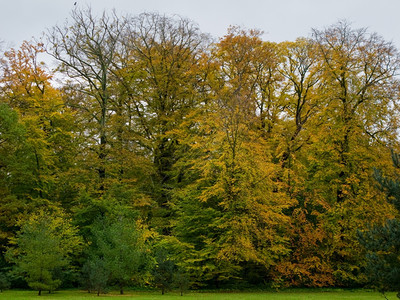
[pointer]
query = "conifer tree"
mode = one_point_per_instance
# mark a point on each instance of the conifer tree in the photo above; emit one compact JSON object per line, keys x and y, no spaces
{"x":382,"y":242}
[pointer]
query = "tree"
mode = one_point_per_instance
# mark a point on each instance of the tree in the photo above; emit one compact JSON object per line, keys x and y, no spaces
{"x":4,"y":282}
{"x":359,"y":74}
{"x":360,"y":70}
{"x":95,"y":274}
{"x":304,"y":96}
{"x":382,"y":241}
{"x":160,"y":76}
{"x":230,"y":211}
{"x":304,"y":99}
{"x":89,"y":52}
{"x":44,"y":244}
{"x":48,"y":138}
{"x":12,"y":162}
{"x":86,"y":50}
{"x":36,"y":138}
{"x":120,"y":247}
{"x":181,"y":280}
{"x":248,"y":68}
{"x":167,"y":274}
{"x":164,"y":270}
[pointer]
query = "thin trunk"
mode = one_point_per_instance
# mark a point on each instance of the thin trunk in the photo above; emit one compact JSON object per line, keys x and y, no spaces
{"x":38,"y":175}
{"x":345,"y":149}
{"x":102,"y":158}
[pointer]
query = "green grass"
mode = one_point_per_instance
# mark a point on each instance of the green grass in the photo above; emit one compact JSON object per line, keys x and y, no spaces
{"x":283,"y":295}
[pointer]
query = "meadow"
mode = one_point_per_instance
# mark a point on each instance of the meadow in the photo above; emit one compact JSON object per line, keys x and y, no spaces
{"x":282,"y":295}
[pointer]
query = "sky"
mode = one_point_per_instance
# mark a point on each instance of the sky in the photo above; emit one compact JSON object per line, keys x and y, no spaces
{"x":281,"y":20}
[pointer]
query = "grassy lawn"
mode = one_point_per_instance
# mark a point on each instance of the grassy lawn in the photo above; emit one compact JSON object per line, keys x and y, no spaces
{"x":283,"y":295}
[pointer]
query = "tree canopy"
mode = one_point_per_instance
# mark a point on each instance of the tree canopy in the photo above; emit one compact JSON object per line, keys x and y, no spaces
{"x":245,"y":161}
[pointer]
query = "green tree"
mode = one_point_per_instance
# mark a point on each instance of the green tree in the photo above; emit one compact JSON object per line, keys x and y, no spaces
{"x":181,"y":279}
{"x":44,"y":244}
{"x":167,"y":273}
{"x":95,"y":275}
{"x":13,"y":159}
{"x":121,"y":244}
{"x":382,"y":242}
{"x":164,"y":270}
{"x":4,"y":282}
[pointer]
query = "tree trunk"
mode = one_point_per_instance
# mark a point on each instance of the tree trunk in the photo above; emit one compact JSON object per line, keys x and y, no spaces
{"x":216,"y":283}
{"x":40,"y":293}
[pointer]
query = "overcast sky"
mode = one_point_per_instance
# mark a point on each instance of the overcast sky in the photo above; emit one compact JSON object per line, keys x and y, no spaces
{"x":280,"y":19}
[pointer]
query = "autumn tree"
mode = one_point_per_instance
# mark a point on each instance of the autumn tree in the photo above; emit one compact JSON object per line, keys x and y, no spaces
{"x":26,"y":88}
{"x":37,"y":140}
{"x":86,"y":50}
{"x":249,"y":68}
{"x":359,"y":70}
{"x":303,"y":96}
{"x":159,"y":76}
{"x":304,"y":100}
{"x":230,"y":211}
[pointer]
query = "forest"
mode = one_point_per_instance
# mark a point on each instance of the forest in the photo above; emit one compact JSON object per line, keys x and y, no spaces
{"x":153,"y":154}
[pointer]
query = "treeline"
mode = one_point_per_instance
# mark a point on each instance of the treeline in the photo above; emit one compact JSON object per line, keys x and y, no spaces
{"x":154,"y":154}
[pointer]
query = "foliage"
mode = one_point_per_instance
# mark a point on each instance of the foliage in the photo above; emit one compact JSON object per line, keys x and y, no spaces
{"x":119,"y":252}
{"x":382,"y":241}
{"x":4,"y":282}
{"x":44,"y":244}
{"x":12,"y":163}
{"x":95,"y":275}
{"x":247,"y":161}
{"x":164,"y":271}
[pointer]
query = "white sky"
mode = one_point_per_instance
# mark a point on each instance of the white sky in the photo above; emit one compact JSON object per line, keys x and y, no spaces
{"x":279,"y":19}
